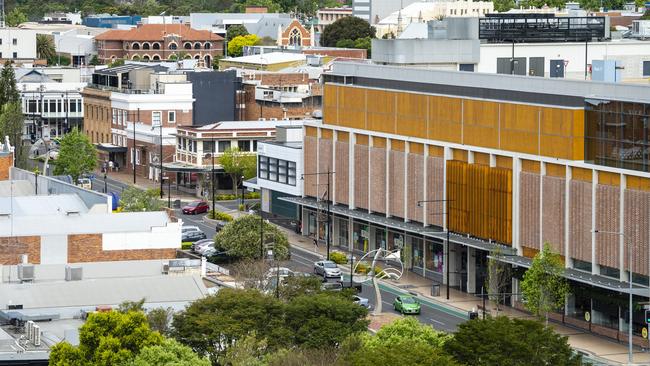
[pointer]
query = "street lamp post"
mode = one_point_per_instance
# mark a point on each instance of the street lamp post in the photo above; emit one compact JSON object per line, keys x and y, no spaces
{"x":243,"y":202}
{"x":160,"y":157}
{"x":630,"y":309}
{"x":212,"y":156}
{"x":329,"y":175}
{"x":446,"y":213}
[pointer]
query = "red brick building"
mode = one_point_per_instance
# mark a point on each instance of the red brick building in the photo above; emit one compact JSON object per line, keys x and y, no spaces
{"x":296,"y":35}
{"x":155,"y":42}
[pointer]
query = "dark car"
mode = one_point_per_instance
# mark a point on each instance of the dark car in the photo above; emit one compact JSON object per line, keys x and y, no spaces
{"x":196,"y":207}
{"x":192,"y":236}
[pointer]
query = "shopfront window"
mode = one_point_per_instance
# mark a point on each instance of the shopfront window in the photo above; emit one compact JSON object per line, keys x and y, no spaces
{"x":360,"y":236}
{"x":395,"y":241}
{"x":342,"y":239}
{"x":434,"y":256}
{"x":380,"y":238}
{"x":418,"y":253}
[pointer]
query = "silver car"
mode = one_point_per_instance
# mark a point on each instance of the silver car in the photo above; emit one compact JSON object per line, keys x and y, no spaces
{"x":361,"y":301}
{"x":327,"y":269}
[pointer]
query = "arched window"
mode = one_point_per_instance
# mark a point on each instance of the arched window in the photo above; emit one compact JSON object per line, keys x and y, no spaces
{"x":173,"y":46}
{"x":135,"y":58}
{"x":188,"y":57}
{"x":208,"y":61}
{"x":197,"y":57}
{"x":207,"y":45}
{"x":187,"y":46}
{"x":156,"y":46}
{"x":145,"y":58}
{"x":295,"y":38}
{"x":156,"y":58}
{"x":135,"y":46}
{"x":145,"y":46}
{"x":197,"y":46}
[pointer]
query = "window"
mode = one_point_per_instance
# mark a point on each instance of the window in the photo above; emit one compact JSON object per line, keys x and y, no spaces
{"x":114,"y":114}
{"x":646,"y":68}
{"x":31,"y":106}
{"x":52,"y":106}
{"x":208,"y":146}
{"x":173,"y":46}
{"x":135,"y":46}
{"x":277,"y":170}
{"x":263,"y":171}
{"x":73,"y":105}
{"x":0,"y":41}
{"x":197,"y":46}
{"x":124,"y":117}
{"x":14,"y":41}
{"x":156,"y":118}
{"x":187,"y":46}
{"x":171,"y":117}
{"x":145,"y":46}
{"x":254,"y":145}
{"x":15,"y":55}
{"x":244,"y":145}
{"x":137,"y":157}
{"x":46,"y":107}
{"x":207,"y":45}
{"x":119,"y":116}
{"x":224,"y":145}
{"x":295,"y":38}
{"x":273,"y":169}
{"x":156,"y":46}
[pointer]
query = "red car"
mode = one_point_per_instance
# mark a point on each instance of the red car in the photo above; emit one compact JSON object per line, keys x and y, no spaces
{"x":196,"y":207}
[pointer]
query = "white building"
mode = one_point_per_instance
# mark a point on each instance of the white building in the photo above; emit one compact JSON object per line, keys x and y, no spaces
{"x":17,"y":44}
{"x":261,"y":24}
{"x":77,"y":43}
{"x":327,"y":16}
{"x":373,"y":11}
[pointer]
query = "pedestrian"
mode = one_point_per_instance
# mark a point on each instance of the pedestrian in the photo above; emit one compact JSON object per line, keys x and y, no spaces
{"x":117,"y":166}
{"x":111,"y":165}
{"x":104,"y":166}
{"x":316,"y":243}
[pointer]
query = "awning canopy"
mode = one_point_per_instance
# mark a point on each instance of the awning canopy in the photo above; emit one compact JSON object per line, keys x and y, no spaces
{"x":187,"y":168}
{"x":110,"y":148}
{"x":252,"y":184}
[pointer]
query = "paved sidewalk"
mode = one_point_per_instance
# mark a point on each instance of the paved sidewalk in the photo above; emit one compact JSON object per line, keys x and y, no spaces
{"x":126,"y":177}
{"x":606,"y":352}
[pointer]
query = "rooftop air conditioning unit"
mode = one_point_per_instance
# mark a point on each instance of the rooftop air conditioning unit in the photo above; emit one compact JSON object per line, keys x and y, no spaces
{"x":73,"y":273}
{"x":28,"y":329}
{"x":273,"y":119}
{"x":36,"y":335}
{"x":26,"y":272}
{"x":261,"y":119}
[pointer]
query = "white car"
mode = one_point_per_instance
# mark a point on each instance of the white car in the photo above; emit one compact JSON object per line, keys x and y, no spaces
{"x":327,"y":269}
{"x":283,"y":272}
{"x":186,"y":229}
{"x":204,"y":248}
{"x":197,"y":245}
{"x":84,"y":183}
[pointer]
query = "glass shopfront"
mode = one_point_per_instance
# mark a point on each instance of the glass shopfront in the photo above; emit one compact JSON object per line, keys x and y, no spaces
{"x":395,"y":241}
{"x":616,"y":134}
{"x":342,"y":232}
{"x":434,"y":256}
{"x":360,"y":236}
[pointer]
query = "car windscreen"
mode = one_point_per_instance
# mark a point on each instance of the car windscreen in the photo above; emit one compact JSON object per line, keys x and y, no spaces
{"x":408,"y":300}
{"x":329,"y":265}
{"x":192,"y":204}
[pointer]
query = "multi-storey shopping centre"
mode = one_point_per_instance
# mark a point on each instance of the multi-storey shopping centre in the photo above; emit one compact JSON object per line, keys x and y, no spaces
{"x":510,"y":162}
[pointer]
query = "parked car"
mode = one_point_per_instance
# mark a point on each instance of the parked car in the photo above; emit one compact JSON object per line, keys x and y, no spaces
{"x":84,"y":183}
{"x":192,"y":236}
{"x":196,"y":207}
{"x":208,"y":250}
{"x":406,"y":304}
{"x":327,"y":269}
{"x":331,"y":286}
{"x":284,"y":272}
{"x":199,"y":246}
{"x":356,"y":286}
{"x":361,"y":301}
{"x":185,"y":229}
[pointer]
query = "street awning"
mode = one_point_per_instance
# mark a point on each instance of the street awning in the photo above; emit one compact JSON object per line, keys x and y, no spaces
{"x":110,"y":148}
{"x":187,"y":168}
{"x":252,"y":184}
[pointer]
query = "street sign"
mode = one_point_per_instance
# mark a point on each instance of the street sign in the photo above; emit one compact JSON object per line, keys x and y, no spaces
{"x":587,"y":316}
{"x":644,"y":333}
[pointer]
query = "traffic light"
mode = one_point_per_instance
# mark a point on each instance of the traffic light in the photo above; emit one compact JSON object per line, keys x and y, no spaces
{"x":647,"y":316}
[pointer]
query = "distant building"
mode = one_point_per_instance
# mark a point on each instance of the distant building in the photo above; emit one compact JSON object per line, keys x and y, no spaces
{"x":296,"y":35}
{"x":267,"y":62}
{"x":373,"y":11}
{"x":62,"y":18}
{"x":156,"y":42}
{"x":78,"y":44}
{"x":111,"y":21}
{"x":327,"y":16}
{"x":17,"y":45}
{"x":262,"y":24}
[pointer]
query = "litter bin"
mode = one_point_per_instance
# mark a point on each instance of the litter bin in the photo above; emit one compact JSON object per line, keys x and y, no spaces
{"x":177,"y":203}
{"x":472,"y":315}
{"x":435,"y":289}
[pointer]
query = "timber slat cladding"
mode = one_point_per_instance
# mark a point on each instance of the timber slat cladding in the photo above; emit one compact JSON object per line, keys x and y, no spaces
{"x":377,"y":176}
{"x":324,"y":164}
{"x":637,"y":229}
{"x":415,"y":191}
{"x":311,"y":165}
{"x":580,"y":214}
{"x":529,"y":210}
{"x":435,"y":190}
{"x":481,"y":200}
{"x":361,"y":155}
{"x":397,"y":184}
{"x":607,"y":219}
{"x":342,"y":171}
{"x":553,"y":192}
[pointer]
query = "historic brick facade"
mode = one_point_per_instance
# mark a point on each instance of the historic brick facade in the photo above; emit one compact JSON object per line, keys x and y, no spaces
{"x":6,"y":162}
{"x":88,"y":248}
{"x":14,"y":247}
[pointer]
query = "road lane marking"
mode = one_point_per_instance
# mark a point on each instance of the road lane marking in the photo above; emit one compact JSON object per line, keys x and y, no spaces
{"x":437,"y":322}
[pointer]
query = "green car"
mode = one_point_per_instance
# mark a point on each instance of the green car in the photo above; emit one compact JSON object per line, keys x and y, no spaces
{"x":406,"y":304}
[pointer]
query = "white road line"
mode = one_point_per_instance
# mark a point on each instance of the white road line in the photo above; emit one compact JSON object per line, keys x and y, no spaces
{"x":437,"y":322}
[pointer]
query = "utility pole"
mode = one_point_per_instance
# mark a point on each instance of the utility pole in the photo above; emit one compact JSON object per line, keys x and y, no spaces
{"x":134,"y":147}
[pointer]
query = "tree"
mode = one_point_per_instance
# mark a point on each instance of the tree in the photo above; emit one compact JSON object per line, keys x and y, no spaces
{"x":503,"y":5}
{"x":345,"y":43}
{"x":560,"y":4}
{"x":110,"y":338}
{"x":293,"y":287}
{"x":544,"y":286}
{"x":15,"y":17}
{"x":8,"y":90}
{"x":160,"y":320}
{"x":364,"y":43}
{"x":211,"y":325}
{"x":324,"y":319}
{"x":502,"y":341}
{"x":45,"y":49}
{"x":499,"y":277}
{"x":646,"y":15}
{"x":269,"y":4}
{"x":94,"y":61}
{"x":12,"y":122}
{"x":127,"y":306}
{"x":168,"y":353}
{"x":136,"y":200}
{"x":236,"y":45}
{"x":77,"y":155}
{"x":236,"y":30}
{"x":241,"y":238}
{"x":238,"y":163}
{"x":250,"y":273}
{"x":346,"y":28}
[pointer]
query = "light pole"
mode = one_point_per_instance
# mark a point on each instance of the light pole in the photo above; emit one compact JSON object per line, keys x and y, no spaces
{"x":160,"y":157}
{"x":211,"y":155}
{"x":446,"y":213}
{"x":630,"y":309}
{"x":329,"y":175}
{"x":243,"y":202}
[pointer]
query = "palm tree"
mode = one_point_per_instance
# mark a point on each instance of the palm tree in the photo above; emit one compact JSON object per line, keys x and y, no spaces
{"x":45,"y":47}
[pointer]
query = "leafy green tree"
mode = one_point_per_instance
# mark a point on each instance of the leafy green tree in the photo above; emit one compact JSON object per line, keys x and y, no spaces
{"x":15,"y":17}
{"x":544,"y":286}
{"x":307,"y":356}
{"x":364,"y":43}
{"x":238,"y":164}
{"x":136,"y":200}
{"x":94,"y":61}
{"x":240,"y":5}
{"x":12,"y":122}
{"x":236,"y":30}
{"x":324,"y":319}
{"x":346,"y":28}
{"x":293,"y":287}
{"x":402,"y":352}
{"x":106,"y":339}
{"x":408,"y":329}
{"x":503,"y":5}
{"x":8,"y":90}
{"x":160,"y":320}
{"x":502,"y":341}
{"x":77,"y":155}
{"x":646,"y":15}
{"x":499,"y":277}
{"x":249,"y":351}
{"x":211,"y":325}
{"x":241,"y":238}
{"x":168,"y":353}
{"x":127,"y":306}
{"x":236,"y":45}
{"x":345,"y":43}
{"x":45,"y":49}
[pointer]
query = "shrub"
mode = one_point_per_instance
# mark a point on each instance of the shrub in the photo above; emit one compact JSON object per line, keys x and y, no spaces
{"x":338,"y":257}
{"x":225,"y":197}
{"x":364,"y":268}
{"x":252,"y":195}
{"x":186,"y":245}
{"x":219,"y":216}
{"x":242,"y":207}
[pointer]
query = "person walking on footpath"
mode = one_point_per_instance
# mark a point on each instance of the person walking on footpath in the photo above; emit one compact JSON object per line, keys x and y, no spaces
{"x":315,"y":243}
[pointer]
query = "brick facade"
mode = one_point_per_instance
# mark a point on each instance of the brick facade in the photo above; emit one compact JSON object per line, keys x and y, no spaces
{"x":88,"y":248}
{"x":254,"y":109}
{"x":97,"y":115}
{"x":6,"y":162}
{"x":295,"y":35}
{"x":11,"y":248}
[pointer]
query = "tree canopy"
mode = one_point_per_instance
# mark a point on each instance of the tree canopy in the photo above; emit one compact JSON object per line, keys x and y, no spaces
{"x":238,"y":163}
{"x":236,"y":30}
{"x":544,"y":286}
{"x":502,"y":341}
{"x":8,"y":90}
{"x":77,"y":156}
{"x":241,"y":238}
{"x":136,"y":200}
{"x":12,"y":122}
{"x":236,"y":45}
{"x":351,"y":28}
{"x":168,"y":353}
{"x":15,"y":17}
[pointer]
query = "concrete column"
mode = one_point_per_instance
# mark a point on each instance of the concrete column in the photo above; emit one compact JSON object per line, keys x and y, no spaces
{"x":407,"y":149}
{"x":493,"y":160}
{"x":516,"y":198}
{"x":470,"y":157}
{"x":568,"y":263}
{"x":622,"y":244}
{"x":334,"y":169}
{"x":595,"y":268}
{"x":471,"y":270}
{"x":370,"y":145}
{"x":388,"y":173}
{"x":448,"y":155}
{"x":425,"y":216}
{"x":335,"y":232}
{"x":542,"y":173}
{"x":453,"y":264}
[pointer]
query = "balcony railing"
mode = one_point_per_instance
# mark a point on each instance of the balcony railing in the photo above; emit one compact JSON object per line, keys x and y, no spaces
{"x":126,"y":90}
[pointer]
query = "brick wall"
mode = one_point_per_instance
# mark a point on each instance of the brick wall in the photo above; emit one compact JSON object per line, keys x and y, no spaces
{"x":637,"y":225}
{"x":88,"y":248}
{"x":435,"y":190}
{"x":529,"y":210}
{"x":342,"y":172}
{"x":254,"y":110}
{"x":11,"y":248}
{"x":607,"y":219}
{"x":415,"y":190}
{"x":324,"y":164}
{"x":553,"y":213}
{"x":361,"y":176}
{"x":6,"y":162}
{"x":396,"y":181}
{"x":142,"y":169}
{"x":580,"y":220}
{"x":377,"y":177}
{"x":311,"y":150}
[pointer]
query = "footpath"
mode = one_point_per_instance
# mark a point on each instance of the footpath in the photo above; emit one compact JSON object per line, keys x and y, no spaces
{"x":597,"y":350}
